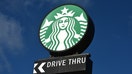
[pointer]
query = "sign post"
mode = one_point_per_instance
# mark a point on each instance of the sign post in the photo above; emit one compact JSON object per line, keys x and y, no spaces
{"x":66,"y":32}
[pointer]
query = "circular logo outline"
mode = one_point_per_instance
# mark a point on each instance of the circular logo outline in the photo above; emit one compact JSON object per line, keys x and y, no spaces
{"x":78,"y":16}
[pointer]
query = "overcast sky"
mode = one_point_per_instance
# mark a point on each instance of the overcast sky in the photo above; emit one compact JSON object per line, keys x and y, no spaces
{"x":111,"y":48}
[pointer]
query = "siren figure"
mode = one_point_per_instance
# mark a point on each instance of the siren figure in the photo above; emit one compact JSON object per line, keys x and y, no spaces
{"x":62,"y":34}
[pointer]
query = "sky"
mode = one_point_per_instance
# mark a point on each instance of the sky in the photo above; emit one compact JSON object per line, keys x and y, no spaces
{"x":19,"y":41}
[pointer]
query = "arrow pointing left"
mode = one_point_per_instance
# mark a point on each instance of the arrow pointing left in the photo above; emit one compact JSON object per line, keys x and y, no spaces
{"x":41,"y":67}
{"x":34,"y":71}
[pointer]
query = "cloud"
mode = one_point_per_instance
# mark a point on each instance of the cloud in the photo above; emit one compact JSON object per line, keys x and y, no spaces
{"x":10,"y":33}
{"x":4,"y":63}
{"x":10,"y":39}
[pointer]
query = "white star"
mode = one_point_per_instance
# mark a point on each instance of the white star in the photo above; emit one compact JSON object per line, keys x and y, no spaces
{"x":81,"y":18}
{"x":64,"y":11}
{"x":47,"y":23}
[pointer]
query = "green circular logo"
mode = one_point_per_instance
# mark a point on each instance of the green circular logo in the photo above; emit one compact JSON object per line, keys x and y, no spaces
{"x":63,"y":28}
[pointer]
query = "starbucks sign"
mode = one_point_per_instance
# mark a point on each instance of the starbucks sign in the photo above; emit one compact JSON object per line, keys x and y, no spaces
{"x":64,"y":28}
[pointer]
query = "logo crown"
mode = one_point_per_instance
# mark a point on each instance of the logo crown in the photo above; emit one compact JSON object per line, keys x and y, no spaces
{"x":64,"y":13}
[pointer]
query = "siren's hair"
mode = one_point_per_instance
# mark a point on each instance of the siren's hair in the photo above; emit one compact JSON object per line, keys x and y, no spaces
{"x":55,"y":31}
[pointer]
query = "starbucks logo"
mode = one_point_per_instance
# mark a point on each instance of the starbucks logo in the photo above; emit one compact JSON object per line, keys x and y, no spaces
{"x":63,"y":28}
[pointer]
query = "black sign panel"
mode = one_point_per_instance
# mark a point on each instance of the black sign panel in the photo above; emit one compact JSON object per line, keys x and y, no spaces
{"x":66,"y":64}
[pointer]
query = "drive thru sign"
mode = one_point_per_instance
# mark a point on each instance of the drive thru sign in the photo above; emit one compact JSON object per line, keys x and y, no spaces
{"x":62,"y":64}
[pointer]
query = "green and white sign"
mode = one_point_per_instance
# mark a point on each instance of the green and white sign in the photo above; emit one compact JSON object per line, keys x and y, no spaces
{"x":63,"y":28}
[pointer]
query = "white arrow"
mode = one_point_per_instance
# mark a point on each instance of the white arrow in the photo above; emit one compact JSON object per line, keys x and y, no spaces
{"x":40,"y":67}
{"x":34,"y":68}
